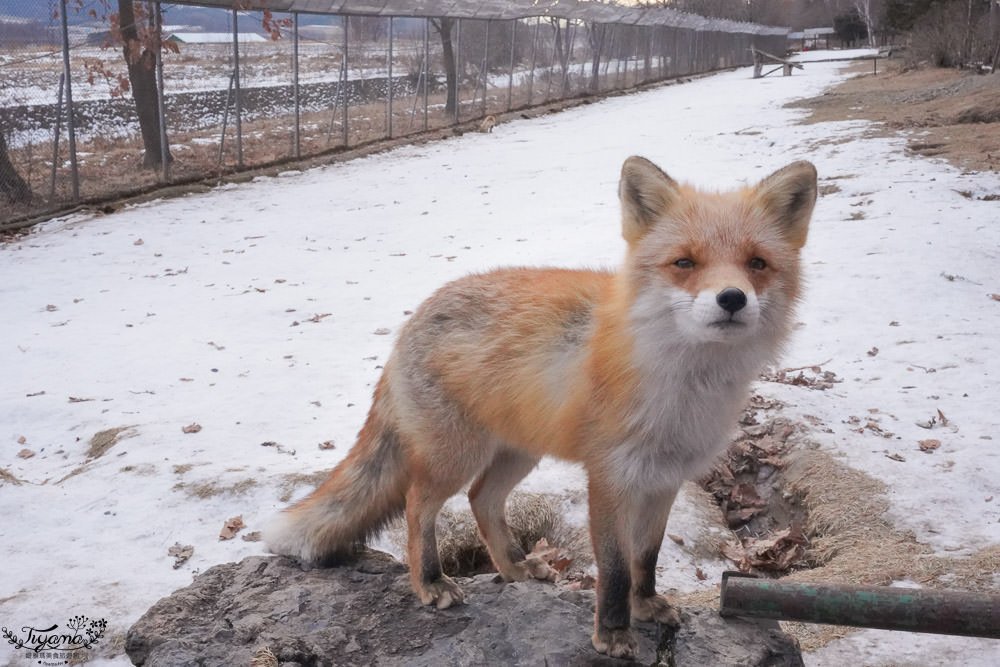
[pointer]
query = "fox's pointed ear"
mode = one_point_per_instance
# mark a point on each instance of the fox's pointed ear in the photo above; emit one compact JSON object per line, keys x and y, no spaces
{"x":646,"y":194}
{"x":789,"y":194}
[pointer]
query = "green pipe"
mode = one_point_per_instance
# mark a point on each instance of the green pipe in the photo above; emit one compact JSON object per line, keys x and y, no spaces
{"x":882,"y":607}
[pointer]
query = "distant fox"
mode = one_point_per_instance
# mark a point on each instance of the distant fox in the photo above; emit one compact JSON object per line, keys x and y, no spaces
{"x":638,"y":374}
{"x":488,"y":123}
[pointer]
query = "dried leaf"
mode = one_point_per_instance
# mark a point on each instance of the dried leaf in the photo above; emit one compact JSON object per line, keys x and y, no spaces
{"x":679,"y":540}
{"x":232,"y":526}
{"x":942,"y":418}
{"x":328,"y":444}
{"x":180,"y":553}
{"x":735,"y":552}
{"x":872,"y":352}
{"x":995,"y":297}
{"x":382,"y":331}
{"x":698,"y":572}
{"x":255,"y":536}
{"x":22,"y":440}
{"x":583,"y":582}
{"x":929,"y":445}
{"x":25,"y":454}
{"x":191,"y":428}
{"x":896,"y":457}
{"x":778,"y":552}
{"x":138,"y":242}
{"x":553,"y":556}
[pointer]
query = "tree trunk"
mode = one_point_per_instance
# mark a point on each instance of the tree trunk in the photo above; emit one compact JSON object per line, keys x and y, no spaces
{"x":14,"y":188}
{"x":443,"y":26}
{"x":141,"y":62}
{"x":596,"y":34}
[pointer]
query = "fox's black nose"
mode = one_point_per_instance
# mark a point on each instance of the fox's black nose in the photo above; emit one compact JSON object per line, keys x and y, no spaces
{"x":731,"y":299}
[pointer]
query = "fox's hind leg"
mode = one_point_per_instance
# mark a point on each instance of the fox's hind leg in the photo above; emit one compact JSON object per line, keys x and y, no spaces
{"x":487,"y":496}
{"x":423,"y":502}
{"x":647,"y":522}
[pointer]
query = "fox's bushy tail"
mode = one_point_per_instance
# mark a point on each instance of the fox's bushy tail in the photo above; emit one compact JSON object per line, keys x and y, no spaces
{"x":363,"y":493}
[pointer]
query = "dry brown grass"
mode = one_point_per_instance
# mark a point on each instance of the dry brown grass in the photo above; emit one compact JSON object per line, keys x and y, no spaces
{"x":532,"y":516}
{"x":104,"y":440}
{"x":203,"y":490}
{"x":852,"y":543}
{"x":290,"y":483}
{"x":945,"y":113}
{"x":6,"y":477}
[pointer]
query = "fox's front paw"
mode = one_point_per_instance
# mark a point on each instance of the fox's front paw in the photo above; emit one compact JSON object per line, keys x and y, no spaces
{"x":617,"y":643}
{"x":655,"y":608}
{"x":530,"y":568}
{"x":443,"y":592}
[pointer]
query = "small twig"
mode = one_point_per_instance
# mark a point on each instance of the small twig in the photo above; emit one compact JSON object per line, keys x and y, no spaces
{"x":806,"y":367}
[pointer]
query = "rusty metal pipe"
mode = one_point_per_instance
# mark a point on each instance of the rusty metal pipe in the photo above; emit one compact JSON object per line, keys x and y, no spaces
{"x":881,"y":607}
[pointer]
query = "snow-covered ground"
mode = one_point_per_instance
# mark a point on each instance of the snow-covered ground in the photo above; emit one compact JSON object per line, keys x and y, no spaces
{"x":258,"y":312}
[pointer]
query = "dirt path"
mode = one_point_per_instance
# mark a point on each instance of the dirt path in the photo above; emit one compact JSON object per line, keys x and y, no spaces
{"x":943,"y":113}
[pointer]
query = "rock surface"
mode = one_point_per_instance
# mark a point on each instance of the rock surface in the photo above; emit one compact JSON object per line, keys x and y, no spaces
{"x":365,"y":614}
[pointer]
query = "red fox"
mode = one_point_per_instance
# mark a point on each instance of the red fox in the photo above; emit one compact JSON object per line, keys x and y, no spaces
{"x":637,"y":374}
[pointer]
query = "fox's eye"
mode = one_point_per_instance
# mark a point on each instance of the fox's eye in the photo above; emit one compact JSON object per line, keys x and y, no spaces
{"x":684,"y":263}
{"x":758,"y":264}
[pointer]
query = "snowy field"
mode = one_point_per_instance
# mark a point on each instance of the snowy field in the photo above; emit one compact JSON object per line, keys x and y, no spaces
{"x":262,"y":313}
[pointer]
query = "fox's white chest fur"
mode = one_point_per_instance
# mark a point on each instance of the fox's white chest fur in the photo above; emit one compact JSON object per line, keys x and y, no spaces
{"x":690,"y":393}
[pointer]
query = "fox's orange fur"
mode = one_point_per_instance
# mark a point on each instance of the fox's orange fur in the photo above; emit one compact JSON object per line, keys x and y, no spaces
{"x":638,"y":374}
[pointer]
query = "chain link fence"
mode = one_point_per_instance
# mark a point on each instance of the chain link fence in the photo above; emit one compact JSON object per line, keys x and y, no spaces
{"x":237,"y":89}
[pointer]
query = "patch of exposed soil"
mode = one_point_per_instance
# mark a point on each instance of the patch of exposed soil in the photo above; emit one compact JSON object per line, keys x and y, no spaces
{"x":944,"y":113}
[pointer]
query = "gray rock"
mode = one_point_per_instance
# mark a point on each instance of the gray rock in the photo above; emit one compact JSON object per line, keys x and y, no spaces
{"x":705,"y":638}
{"x":364,"y":613}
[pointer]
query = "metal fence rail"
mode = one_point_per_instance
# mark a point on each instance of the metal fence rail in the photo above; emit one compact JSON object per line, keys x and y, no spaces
{"x":342,"y":73}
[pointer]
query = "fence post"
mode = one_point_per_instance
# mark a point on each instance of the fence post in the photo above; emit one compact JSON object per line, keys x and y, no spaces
{"x":568,"y":56}
{"x":295,"y":83}
{"x":160,"y":103}
{"x":510,"y":72}
{"x":552,"y":64}
{"x":534,"y":47}
{"x":427,"y":64}
{"x":236,"y":88}
{"x":636,"y":36}
{"x":459,"y":70}
{"x":486,"y":65}
{"x":70,"y":121}
{"x":610,"y":53}
{"x":55,"y":139}
{"x":345,"y":87}
{"x":389,"y":108}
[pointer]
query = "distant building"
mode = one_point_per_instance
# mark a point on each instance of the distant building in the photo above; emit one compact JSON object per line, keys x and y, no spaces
{"x":811,"y":38}
{"x":215,"y":38}
{"x":322,"y":33}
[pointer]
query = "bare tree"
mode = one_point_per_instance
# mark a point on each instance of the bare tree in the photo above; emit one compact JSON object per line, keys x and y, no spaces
{"x":132,"y":27}
{"x":140,"y":50}
{"x":596,"y":34}
{"x":864,"y":9}
{"x":15,"y":189}
{"x":443,"y":27}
